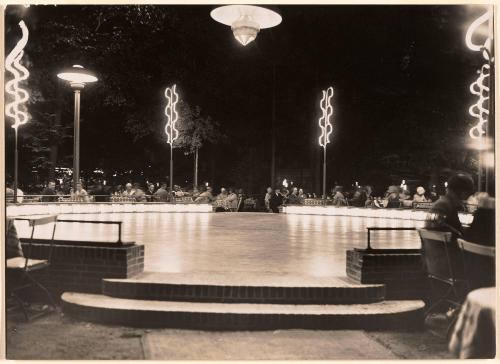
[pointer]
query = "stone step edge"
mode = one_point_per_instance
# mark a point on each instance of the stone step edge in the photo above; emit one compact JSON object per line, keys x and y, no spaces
{"x":230,"y":316}
{"x":189,"y":279}
{"x":123,"y":288}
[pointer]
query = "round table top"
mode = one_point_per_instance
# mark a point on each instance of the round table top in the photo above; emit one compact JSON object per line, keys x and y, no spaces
{"x":484,"y":297}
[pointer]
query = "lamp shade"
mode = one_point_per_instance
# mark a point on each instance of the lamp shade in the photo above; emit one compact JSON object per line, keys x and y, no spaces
{"x":246,"y":20}
{"x":77,"y":75}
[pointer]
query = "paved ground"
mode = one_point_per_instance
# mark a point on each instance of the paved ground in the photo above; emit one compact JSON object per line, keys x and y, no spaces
{"x":248,"y":244}
{"x":59,"y":337}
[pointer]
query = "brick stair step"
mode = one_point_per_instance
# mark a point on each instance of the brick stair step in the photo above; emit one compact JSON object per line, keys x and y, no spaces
{"x":241,"y":316}
{"x":243,"y":287}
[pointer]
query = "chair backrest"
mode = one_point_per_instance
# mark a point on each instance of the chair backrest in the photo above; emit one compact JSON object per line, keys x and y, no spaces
{"x":440,"y":258}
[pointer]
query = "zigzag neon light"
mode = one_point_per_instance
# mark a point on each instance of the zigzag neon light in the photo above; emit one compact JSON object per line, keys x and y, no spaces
{"x":324,"y":121}
{"x":17,"y":109}
{"x":478,"y":110}
{"x":171,"y":113}
{"x":480,"y":86}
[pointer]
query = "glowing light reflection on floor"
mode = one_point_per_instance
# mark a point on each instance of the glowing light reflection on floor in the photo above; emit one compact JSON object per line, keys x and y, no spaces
{"x":239,"y":242}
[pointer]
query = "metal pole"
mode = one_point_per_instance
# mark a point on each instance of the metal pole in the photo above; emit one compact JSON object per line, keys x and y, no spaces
{"x":195,"y":184}
{"x":480,"y":172}
{"x":171,"y":171}
{"x":324,"y":172}
{"x":16,"y":160}
{"x":76,"y":141}
{"x":273,"y":130}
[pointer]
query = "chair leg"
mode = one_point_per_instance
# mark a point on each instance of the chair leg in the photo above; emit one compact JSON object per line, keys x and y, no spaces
{"x":439,"y":301}
{"x":45,"y":290}
{"x":21,"y":304}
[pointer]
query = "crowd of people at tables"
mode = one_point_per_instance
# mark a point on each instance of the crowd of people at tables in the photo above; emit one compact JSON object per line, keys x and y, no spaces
{"x":232,"y":198}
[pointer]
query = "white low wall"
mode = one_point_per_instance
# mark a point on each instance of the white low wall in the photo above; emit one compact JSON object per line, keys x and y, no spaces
{"x":24,"y":209}
{"x":405,"y":214}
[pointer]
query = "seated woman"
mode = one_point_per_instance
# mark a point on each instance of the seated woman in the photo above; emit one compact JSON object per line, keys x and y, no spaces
{"x":80,"y":195}
{"x":232,"y":200}
{"x":420,"y":195}
{"x":339,"y":198}
{"x":392,"y":196}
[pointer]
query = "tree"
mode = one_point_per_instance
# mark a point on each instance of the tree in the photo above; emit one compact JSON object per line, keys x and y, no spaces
{"x":194,"y":131}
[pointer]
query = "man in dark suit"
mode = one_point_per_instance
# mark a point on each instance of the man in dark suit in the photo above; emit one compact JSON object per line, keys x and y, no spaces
{"x":275,"y":201}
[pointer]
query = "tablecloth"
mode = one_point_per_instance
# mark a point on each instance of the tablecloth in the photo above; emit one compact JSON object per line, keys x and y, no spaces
{"x":474,"y":332}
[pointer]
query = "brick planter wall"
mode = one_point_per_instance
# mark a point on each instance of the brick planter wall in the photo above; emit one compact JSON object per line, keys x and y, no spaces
{"x":399,"y":269}
{"x":81,"y":268}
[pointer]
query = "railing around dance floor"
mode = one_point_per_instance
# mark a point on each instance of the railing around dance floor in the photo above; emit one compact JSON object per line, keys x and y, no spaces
{"x":43,"y":208}
{"x":387,"y":213}
{"x":72,"y":221}
{"x":121,"y":204}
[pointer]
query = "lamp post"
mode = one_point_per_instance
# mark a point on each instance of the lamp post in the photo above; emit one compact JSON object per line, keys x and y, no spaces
{"x":326,"y":128}
{"x":77,"y":76}
{"x":17,"y":109}
{"x":170,"y":129}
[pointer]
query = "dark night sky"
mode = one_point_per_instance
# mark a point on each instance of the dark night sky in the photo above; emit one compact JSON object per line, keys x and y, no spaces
{"x":401,"y":75}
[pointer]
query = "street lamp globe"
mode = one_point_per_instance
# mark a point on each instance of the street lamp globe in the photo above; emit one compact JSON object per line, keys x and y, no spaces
{"x":246,"y":20}
{"x":77,"y":76}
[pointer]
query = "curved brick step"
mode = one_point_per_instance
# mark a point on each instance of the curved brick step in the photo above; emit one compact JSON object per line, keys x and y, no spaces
{"x":241,"y":316}
{"x":243,"y":288}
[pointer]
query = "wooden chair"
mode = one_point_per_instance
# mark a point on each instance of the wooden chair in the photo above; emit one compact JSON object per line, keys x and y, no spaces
{"x":479,"y":262}
{"x":20,"y":270}
{"x":444,"y":263}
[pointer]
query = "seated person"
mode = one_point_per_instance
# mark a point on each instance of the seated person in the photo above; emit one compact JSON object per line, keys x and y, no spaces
{"x":420,"y":195}
{"x":482,"y":228}
{"x":129,"y":191}
{"x":443,"y":215}
{"x":161,"y":194}
{"x":275,"y":201}
{"x":139,"y":194}
{"x":12,"y":244}
{"x":49,"y":193}
{"x":205,"y":197}
{"x":392,"y":196}
{"x":302,"y":196}
{"x":405,"y":198}
{"x":222,"y":195}
{"x":480,"y":268}
{"x":80,"y":194}
{"x":359,"y":198}
{"x":232,"y":200}
{"x":150,"y":192}
{"x":338,"y":197}
{"x":293,"y":198}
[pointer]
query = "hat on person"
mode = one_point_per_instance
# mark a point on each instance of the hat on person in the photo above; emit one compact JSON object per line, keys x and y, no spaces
{"x":420,"y":190}
{"x":128,"y":185}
